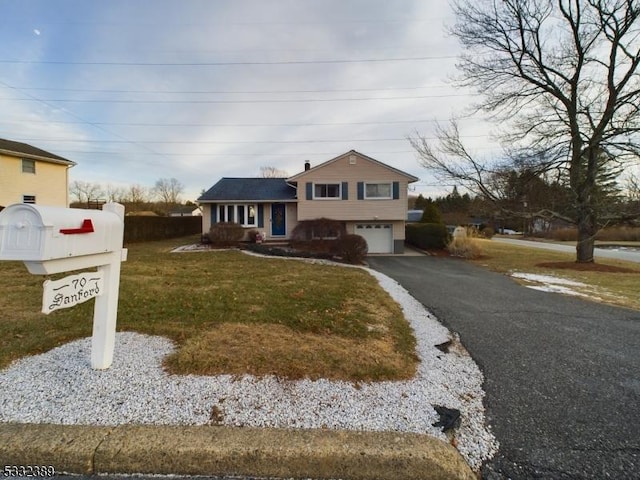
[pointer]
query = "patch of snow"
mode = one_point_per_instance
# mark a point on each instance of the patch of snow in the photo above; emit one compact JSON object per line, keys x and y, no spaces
{"x":557,"y":289}
{"x":549,"y":283}
{"x":548,"y":279}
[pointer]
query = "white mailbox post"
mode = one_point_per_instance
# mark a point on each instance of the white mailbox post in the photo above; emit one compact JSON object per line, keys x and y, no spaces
{"x":53,"y":240}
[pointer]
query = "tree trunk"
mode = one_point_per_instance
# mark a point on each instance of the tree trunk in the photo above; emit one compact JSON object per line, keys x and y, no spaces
{"x":583,"y":182}
{"x":586,"y":235}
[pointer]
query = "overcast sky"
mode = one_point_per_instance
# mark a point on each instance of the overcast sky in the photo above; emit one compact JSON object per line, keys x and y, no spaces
{"x":134,"y":91}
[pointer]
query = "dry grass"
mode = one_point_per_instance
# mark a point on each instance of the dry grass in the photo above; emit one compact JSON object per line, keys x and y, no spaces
{"x":465,"y":247}
{"x":617,"y":285}
{"x":271,"y":349}
{"x":203,"y":300}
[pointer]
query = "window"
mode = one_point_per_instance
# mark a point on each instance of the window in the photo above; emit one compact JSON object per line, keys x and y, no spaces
{"x":28,"y":199}
{"x":326,"y":190}
{"x":378,"y":190}
{"x":245,"y":215}
{"x":240,"y":214}
{"x":28,"y":166}
{"x":251,"y":215}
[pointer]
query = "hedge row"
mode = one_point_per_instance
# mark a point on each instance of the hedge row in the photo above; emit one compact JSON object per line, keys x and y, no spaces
{"x":427,"y":235}
{"x":142,"y":229}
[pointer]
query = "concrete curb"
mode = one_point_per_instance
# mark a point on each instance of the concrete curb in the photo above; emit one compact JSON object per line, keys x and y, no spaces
{"x":214,"y":450}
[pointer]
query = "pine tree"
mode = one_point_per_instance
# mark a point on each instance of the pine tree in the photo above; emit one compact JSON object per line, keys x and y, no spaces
{"x":431,"y":214}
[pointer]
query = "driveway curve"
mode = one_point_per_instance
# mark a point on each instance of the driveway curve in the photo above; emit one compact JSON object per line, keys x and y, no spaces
{"x":562,"y":375}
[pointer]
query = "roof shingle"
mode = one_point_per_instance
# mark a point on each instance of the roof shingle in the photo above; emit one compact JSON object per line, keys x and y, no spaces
{"x":31,"y":151}
{"x":250,"y":189}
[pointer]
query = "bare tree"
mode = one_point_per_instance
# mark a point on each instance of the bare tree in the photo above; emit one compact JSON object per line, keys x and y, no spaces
{"x":114,"y":193}
{"x":137,"y":194}
{"x":632,"y":187}
{"x":562,"y":78}
{"x":85,"y":192}
{"x":168,"y":190}
{"x":272,"y":172}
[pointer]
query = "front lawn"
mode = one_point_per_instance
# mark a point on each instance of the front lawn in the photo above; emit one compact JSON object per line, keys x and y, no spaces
{"x":231,"y":313}
{"x":615,"y":281}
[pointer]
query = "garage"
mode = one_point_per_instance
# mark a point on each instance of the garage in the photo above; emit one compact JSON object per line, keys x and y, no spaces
{"x":379,"y":236}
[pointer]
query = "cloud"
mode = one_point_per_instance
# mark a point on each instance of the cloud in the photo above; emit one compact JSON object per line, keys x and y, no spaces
{"x":135,"y":122}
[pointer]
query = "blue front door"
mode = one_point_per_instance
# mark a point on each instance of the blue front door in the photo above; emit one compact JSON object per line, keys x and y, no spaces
{"x":278,"y":223}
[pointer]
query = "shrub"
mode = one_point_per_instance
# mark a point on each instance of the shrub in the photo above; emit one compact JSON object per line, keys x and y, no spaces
{"x":565,"y":234}
{"x":465,"y":247}
{"x":431,"y":214}
{"x":144,"y":229}
{"x":487,"y":232}
{"x":285,"y":252}
{"x":226,"y":234}
{"x":318,"y":229}
{"x":427,"y":235}
{"x":620,"y":234}
{"x":315,"y":246}
{"x":609,"y":234}
{"x":352,"y":248}
{"x":318,"y":235}
{"x":252,"y":235}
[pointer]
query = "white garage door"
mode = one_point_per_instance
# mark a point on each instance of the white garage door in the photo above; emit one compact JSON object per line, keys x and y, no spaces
{"x":379,"y":237}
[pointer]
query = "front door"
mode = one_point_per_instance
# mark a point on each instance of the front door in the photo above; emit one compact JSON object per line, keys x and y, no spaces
{"x":278,"y":223}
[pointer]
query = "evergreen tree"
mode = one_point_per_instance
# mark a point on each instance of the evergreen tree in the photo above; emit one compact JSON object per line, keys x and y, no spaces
{"x":431,"y":214}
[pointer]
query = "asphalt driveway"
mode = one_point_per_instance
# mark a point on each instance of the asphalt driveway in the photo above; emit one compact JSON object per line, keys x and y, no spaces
{"x":562,"y":375}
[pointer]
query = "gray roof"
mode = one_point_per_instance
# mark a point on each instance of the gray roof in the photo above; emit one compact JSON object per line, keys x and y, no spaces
{"x":29,"y":151}
{"x":414,"y":215}
{"x":249,"y":189}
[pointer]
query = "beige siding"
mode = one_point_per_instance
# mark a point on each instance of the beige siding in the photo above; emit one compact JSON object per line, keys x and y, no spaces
{"x":342,"y":170}
{"x":49,"y":184}
{"x":206,"y":217}
{"x":292,"y":212}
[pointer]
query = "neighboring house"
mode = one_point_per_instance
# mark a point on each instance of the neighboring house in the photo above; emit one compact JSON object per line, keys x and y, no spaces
{"x":414,"y":216}
{"x":186,"y":211}
{"x":369,"y":196}
{"x":31,"y":175}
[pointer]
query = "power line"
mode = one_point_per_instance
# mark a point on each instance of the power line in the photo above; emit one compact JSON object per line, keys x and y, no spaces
{"x":193,"y":92}
{"x":210,"y":23}
{"x":253,"y":154}
{"x":18,"y":121}
{"x":220,"y":64}
{"x":210,"y":142}
{"x":228,"y":142}
{"x":196,"y":102}
{"x":77,"y":117}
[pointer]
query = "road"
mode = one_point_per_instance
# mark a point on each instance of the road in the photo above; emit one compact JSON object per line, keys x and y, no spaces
{"x":562,"y":375}
{"x":629,"y":256}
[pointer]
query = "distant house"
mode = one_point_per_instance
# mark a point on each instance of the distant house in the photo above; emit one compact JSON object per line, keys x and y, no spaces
{"x":31,"y":175}
{"x":414,"y":216}
{"x":368,"y":196}
{"x":186,"y":211}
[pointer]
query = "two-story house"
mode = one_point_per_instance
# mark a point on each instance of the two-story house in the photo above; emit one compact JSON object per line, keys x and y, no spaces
{"x":31,"y":175}
{"x":369,"y":196}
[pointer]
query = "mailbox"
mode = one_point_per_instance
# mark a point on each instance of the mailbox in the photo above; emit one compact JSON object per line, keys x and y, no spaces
{"x":43,"y":237}
{"x":53,"y":240}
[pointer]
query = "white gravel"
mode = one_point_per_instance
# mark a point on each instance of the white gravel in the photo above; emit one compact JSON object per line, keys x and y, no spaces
{"x":60,"y":387}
